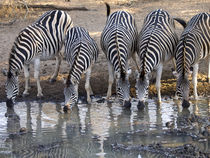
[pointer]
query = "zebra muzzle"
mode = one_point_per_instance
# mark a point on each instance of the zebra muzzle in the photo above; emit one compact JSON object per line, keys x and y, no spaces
{"x":9,"y":103}
{"x":185,"y":103}
{"x":66,"y":108}
{"x":140,"y":105}
{"x":127,"y":104}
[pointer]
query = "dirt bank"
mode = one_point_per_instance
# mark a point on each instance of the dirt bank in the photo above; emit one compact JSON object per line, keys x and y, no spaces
{"x":94,"y":20}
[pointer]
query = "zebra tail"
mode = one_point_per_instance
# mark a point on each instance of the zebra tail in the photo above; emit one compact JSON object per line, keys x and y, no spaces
{"x":107,"y":9}
{"x":74,"y":65}
{"x":181,"y":21}
{"x":122,"y":72}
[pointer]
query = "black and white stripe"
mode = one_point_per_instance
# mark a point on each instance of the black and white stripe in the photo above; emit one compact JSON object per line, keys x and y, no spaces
{"x":40,"y":41}
{"x":118,"y":41}
{"x":81,"y":52}
{"x":194,"y":45}
{"x":156,"y":45}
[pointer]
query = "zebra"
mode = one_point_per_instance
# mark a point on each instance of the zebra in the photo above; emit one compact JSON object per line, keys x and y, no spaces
{"x":118,"y":42}
{"x":156,"y":46}
{"x":81,"y":52}
{"x":194,"y":45}
{"x":41,"y":40}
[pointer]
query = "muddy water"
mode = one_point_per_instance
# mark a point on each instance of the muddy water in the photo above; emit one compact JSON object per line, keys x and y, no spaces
{"x":41,"y":129}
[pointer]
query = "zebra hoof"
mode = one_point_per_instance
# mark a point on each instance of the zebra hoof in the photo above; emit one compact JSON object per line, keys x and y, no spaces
{"x":25,"y":94}
{"x":140,"y":105}
{"x":52,"y":80}
{"x":89,"y":101}
{"x":9,"y":103}
{"x":40,"y":96}
{"x":208,"y":80}
{"x":66,"y":108}
{"x":185,"y":104}
{"x":159,"y":103}
{"x":127,"y":104}
{"x":101,"y":100}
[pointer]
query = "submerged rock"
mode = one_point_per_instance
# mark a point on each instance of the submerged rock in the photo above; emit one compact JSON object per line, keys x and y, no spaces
{"x":23,"y":130}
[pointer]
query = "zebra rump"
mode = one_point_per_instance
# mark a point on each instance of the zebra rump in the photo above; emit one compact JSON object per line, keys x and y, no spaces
{"x":118,"y":42}
{"x":156,"y":45}
{"x":194,"y":45}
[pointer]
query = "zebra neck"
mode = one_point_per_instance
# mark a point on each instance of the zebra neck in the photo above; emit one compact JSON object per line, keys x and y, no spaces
{"x":12,"y":72}
{"x":16,"y":62}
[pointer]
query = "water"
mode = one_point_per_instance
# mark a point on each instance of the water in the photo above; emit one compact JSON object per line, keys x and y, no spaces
{"x":90,"y":130}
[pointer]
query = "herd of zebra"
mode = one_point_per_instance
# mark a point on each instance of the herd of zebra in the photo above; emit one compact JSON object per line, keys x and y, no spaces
{"x":153,"y":46}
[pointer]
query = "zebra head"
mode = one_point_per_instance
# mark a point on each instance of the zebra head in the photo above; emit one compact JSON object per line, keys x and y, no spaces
{"x":11,"y":87}
{"x":142,"y":85}
{"x":183,"y":89}
{"x":123,"y":88}
{"x":70,"y":93}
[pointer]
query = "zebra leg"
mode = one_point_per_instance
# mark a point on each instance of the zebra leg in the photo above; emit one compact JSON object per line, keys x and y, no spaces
{"x":208,"y":79}
{"x":57,"y":67}
{"x":36,"y":76}
{"x":111,"y":80}
{"x":158,"y":79}
{"x":174,"y":70}
{"x":27,"y":77}
{"x":194,"y":80}
{"x":87,"y":85}
{"x":76,"y":88}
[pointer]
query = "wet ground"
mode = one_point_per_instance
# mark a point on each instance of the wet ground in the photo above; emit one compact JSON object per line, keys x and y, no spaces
{"x":105,"y":129}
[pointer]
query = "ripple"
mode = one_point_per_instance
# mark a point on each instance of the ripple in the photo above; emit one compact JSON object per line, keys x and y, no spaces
{"x":87,"y":130}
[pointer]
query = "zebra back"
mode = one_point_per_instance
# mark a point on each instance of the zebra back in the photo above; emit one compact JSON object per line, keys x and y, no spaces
{"x":194,"y":42}
{"x":81,"y":52}
{"x":157,"y":40}
{"x":44,"y":38}
{"x":118,"y":39}
{"x":54,"y":19}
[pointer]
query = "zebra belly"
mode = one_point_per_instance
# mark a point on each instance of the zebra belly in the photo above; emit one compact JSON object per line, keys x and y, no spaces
{"x":46,"y":55}
{"x":167,"y":58}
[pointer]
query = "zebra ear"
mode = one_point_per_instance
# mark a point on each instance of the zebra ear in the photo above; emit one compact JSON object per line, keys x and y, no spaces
{"x":129,"y":71}
{"x":190,"y":73}
{"x":4,"y":71}
{"x":64,"y":80}
{"x":73,"y":80}
{"x":117,"y":75}
{"x":175,"y":73}
{"x":191,"y":70}
{"x":149,"y":75}
{"x":137,"y":74}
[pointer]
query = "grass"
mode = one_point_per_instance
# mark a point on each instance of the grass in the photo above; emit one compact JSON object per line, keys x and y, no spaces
{"x":12,"y":9}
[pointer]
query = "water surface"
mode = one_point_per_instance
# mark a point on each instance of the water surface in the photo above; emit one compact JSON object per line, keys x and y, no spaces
{"x":90,"y":130}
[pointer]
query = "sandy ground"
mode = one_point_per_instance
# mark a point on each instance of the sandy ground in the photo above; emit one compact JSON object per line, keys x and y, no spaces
{"x":94,"y":21}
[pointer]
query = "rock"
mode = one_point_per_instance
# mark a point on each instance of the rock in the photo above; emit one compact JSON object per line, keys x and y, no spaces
{"x":23,"y":130}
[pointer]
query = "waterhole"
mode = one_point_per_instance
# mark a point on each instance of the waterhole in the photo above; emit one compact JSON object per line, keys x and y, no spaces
{"x":42,"y":129}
